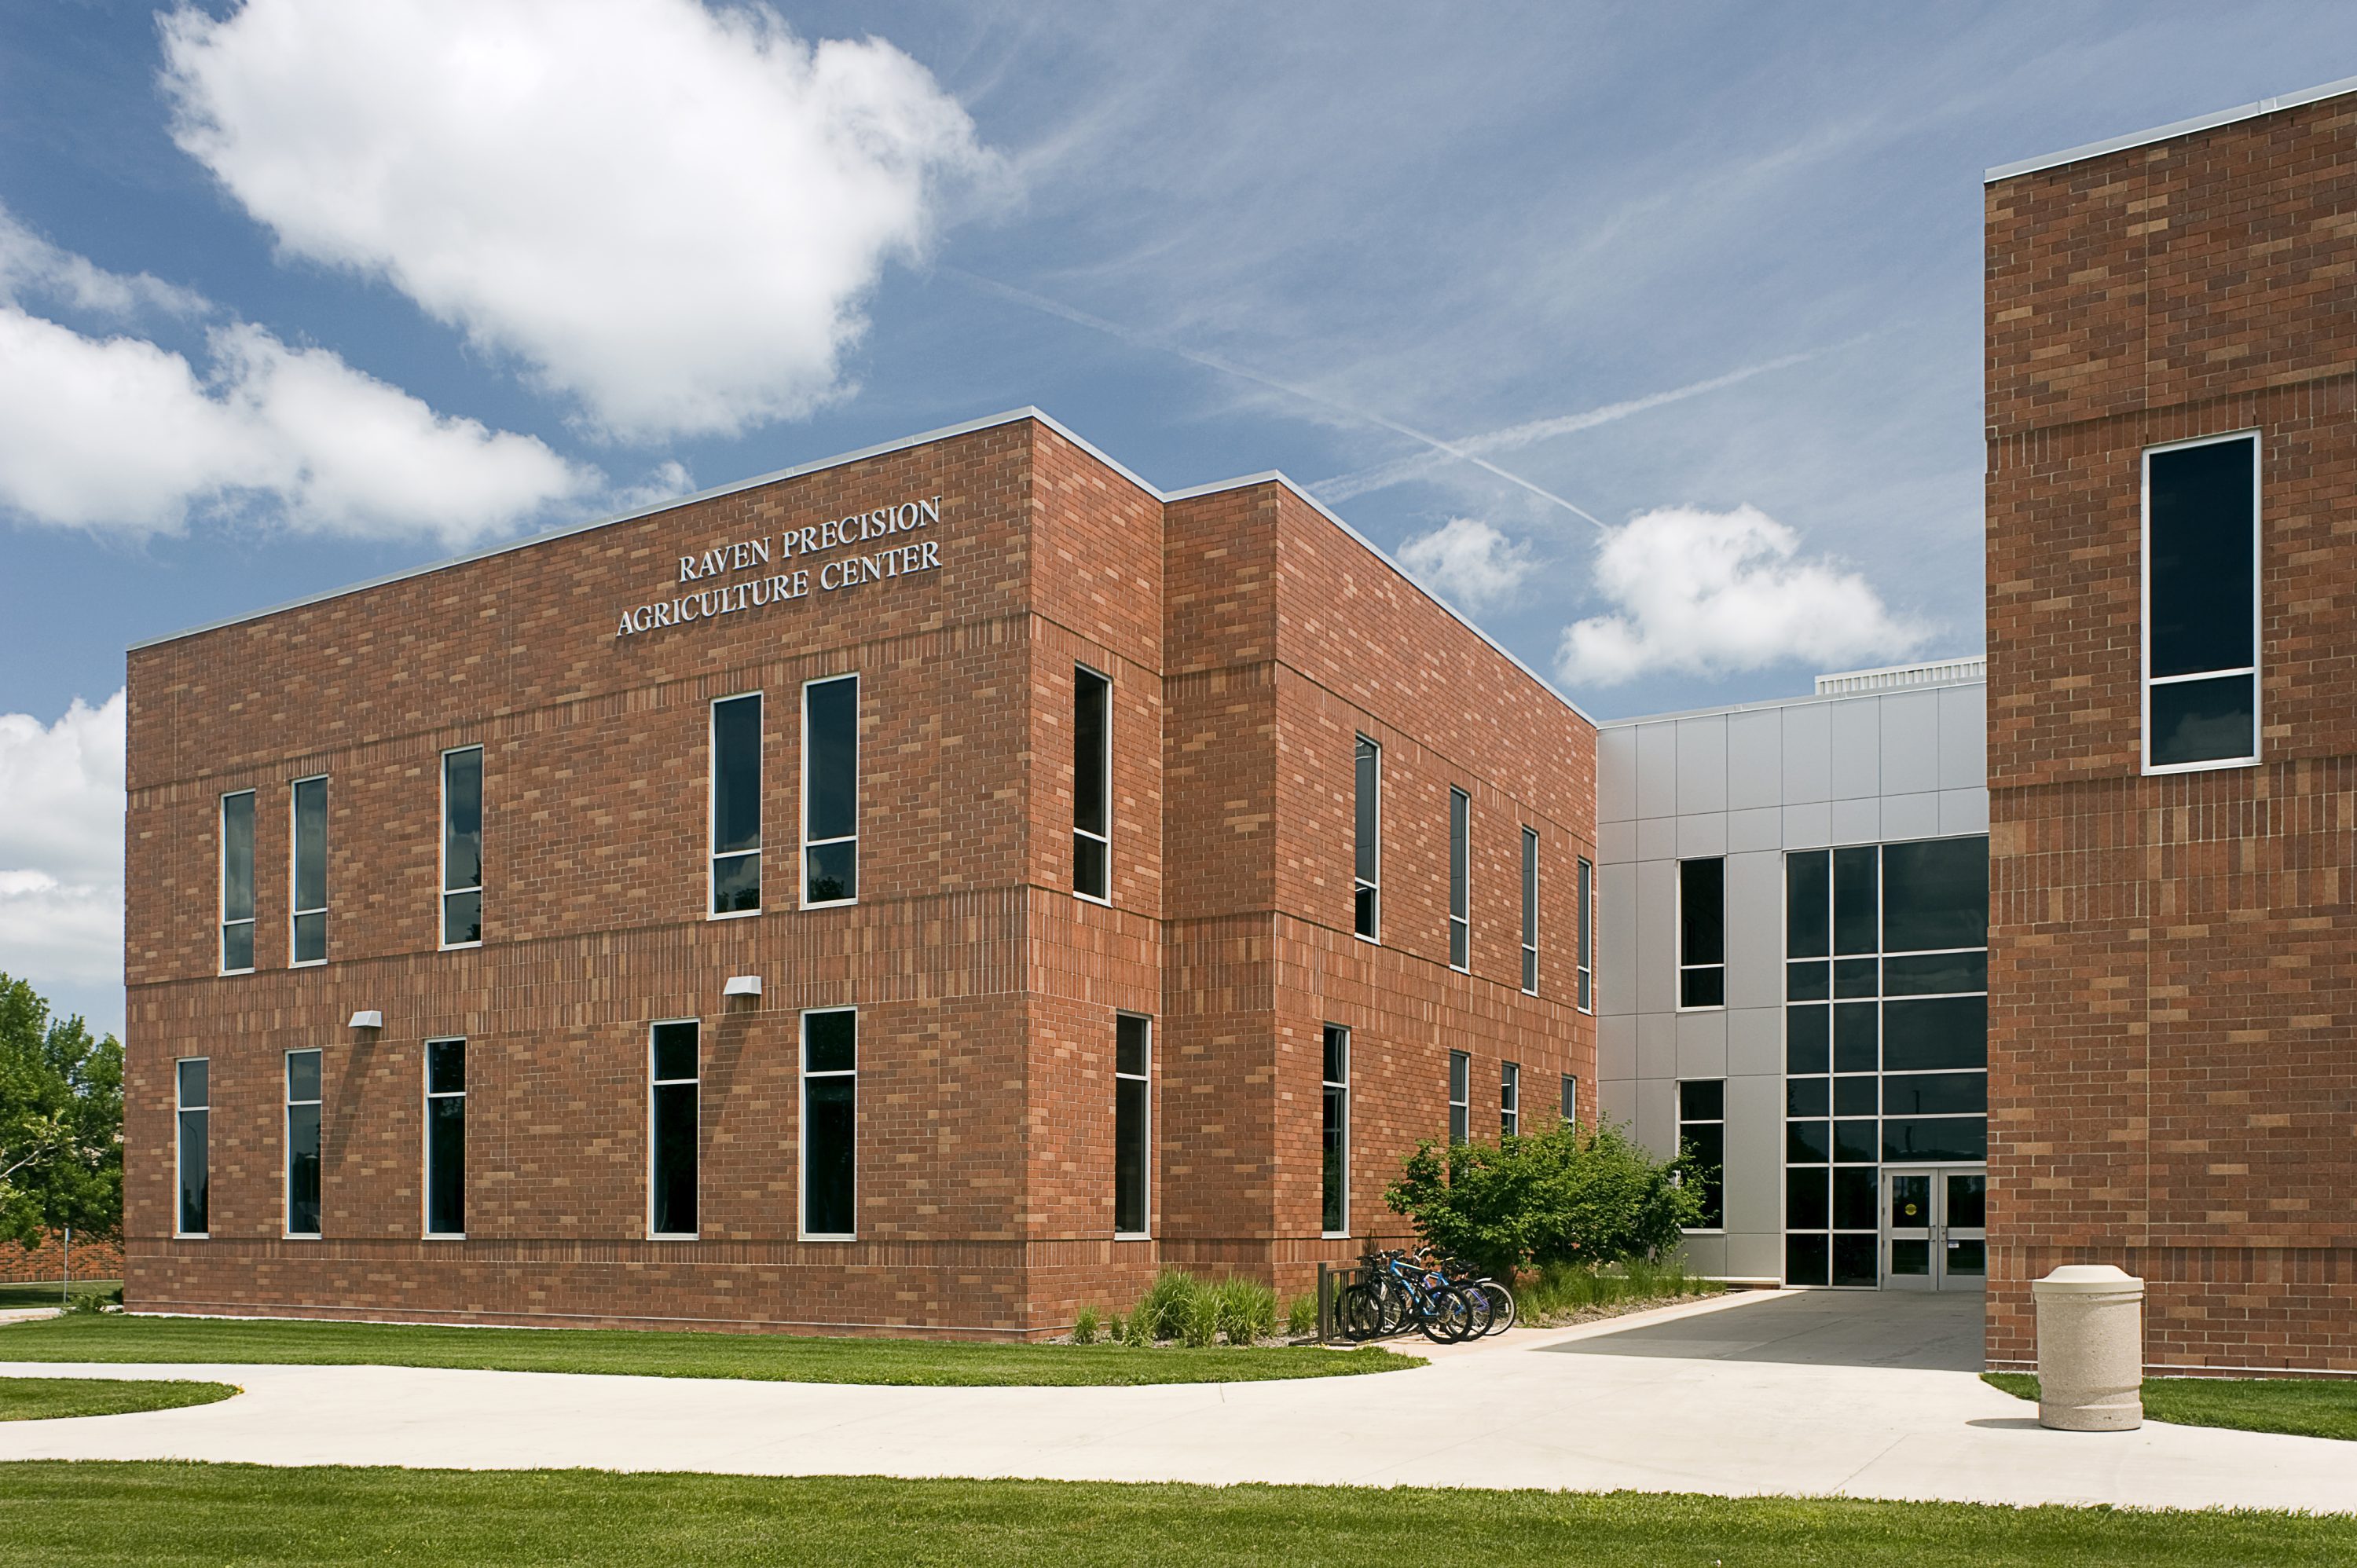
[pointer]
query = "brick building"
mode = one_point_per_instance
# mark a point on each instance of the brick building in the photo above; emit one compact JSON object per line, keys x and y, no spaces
{"x":930,"y":889}
{"x":2172,"y":650}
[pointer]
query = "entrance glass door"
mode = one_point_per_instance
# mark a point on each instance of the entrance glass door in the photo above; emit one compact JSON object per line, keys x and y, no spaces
{"x":1934,"y":1230}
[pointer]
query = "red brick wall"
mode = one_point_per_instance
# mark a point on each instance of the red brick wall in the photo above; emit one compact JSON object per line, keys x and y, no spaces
{"x":46,"y":1260}
{"x":2173,"y":983}
{"x":988,"y":991}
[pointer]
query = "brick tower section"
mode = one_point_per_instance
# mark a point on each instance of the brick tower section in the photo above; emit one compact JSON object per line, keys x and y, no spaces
{"x":2173,"y":1045}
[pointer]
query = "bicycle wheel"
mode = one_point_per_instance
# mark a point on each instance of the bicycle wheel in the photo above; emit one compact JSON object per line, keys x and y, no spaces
{"x":1501,"y":1306}
{"x":1394,"y":1310}
{"x":1446,"y":1317}
{"x":1357,"y":1313}
{"x":1476,"y":1302}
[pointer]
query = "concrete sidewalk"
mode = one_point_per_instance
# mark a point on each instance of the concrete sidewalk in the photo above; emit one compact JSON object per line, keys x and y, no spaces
{"x":1524,"y":1412}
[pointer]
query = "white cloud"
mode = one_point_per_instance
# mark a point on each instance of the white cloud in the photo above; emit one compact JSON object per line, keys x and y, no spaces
{"x":669,"y":213}
{"x":1706,"y":593}
{"x":120,"y":432}
{"x":61,"y":848}
{"x":1467,"y":562}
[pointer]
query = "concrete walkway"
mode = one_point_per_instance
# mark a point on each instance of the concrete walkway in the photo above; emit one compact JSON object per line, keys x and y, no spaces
{"x":1557,"y":1409}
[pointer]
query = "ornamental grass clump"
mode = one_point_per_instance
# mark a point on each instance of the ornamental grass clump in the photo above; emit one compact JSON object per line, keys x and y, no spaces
{"x":1244,"y":1310}
{"x":1565,"y":1290}
{"x":1167,"y":1306}
{"x":1084,"y":1327}
{"x":1301,"y":1317}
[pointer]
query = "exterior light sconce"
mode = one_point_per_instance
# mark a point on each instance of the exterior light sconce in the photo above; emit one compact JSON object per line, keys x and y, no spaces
{"x":367,"y":1018}
{"x":742,"y":986}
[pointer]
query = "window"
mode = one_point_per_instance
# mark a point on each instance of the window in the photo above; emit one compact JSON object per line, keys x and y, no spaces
{"x":830,"y":1123}
{"x":2201,"y":604}
{"x":302,"y":1142}
{"x":672,"y":1117}
{"x":446,"y":1137}
{"x":1570,"y":1097}
{"x":736,"y":805}
{"x":1702,"y":1137}
{"x":1461,"y":1097}
{"x":310,"y":847}
{"x":193,"y":1096}
{"x":1133,"y":1115}
{"x":462,"y":847}
{"x":1335,"y":1184}
{"x":237,"y":882}
{"x":1702,"y":933}
{"x":1367,"y":914}
{"x":1531,"y":910}
{"x":1510,"y":1099}
{"x":1092,"y":785}
{"x":1886,"y":1035}
{"x":1460,"y":880}
{"x":831,"y":792}
{"x":1587,"y":937}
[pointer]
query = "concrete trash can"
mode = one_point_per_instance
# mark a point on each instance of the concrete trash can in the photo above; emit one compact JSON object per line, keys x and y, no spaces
{"x":2090,"y":1348}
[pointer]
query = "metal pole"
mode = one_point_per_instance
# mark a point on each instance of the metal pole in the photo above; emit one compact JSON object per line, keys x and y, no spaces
{"x":65,"y":1289}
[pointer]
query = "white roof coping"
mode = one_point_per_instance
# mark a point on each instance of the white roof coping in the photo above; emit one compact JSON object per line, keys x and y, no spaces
{"x":1937,"y":672}
{"x":2176,"y":128}
{"x":904,"y":443}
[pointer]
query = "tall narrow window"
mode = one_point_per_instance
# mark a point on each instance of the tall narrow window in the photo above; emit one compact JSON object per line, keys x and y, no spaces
{"x":310,"y":907}
{"x":1335,"y":1182}
{"x":736,"y":805}
{"x":1367,"y":911}
{"x":1092,"y":784}
{"x":1461,"y":1097}
{"x":446,"y":1137}
{"x":462,"y":847}
{"x":237,"y":883}
{"x":302,"y":1142}
{"x":1587,"y":937}
{"x":831,"y":792}
{"x":2202,"y":603}
{"x":672,"y":1119}
{"x":193,"y":1099}
{"x":1531,"y":910}
{"x":1133,"y":1114}
{"x":1460,"y":880}
{"x":1570,"y":1097}
{"x":1702,"y":933}
{"x":1702,"y":1137}
{"x":1510,"y":1099}
{"x":830,"y":1123}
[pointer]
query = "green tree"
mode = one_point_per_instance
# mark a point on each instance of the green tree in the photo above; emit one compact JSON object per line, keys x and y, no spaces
{"x":1569,"y":1194}
{"x":60,"y":1121}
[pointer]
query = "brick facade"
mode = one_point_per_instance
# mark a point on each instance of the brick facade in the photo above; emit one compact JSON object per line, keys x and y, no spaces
{"x":1248,"y":638}
{"x":2174,"y":957}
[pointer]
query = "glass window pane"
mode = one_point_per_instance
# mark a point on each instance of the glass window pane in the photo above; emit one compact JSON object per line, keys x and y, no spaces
{"x":1333,"y":1177}
{"x":1702,"y":988}
{"x":445,"y":1156}
{"x":1854,"y":1204}
{"x":831,"y":872}
{"x":1702,"y":1099}
{"x":195,"y":1166}
{"x":1460,"y":944}
{"x":1854,"y":1260}
{"x":1459,"y":1075}
{"x":302,"y":1075}
{"x":1808,"y":904}
{"x":1808,"y":1096}
{"x":1854,"y":1048}
{"x":1935,"y":895}
{"x":1968,"y":1201}
{"x":1367,"y":783}
{"x":1129,"y":1154}
{"x":1854,"y":1097}
{"x":311,"y":845}
{"x":1808,"y":1040}
{"x":737,"y":883}
{"x":1853,"y":899}
{"x":1130,"y":1046}
{"x":310,"y":937}
{"x":674,"y":1050}
{"x":2203,"y":720}
{"x":1808,"y":1142}
{"x":1931,"y":974}
{"x":1963,"y":1138}
{"x":1338,"y":1055}
{"x":737,"y":774}
{"x":1808,"y":981}
{"x":2203,"y":526}
{"x":831,"y":1041}
{"x":237,"y":864}
{"x":1935,"y":1094}
{"x":1806,"y":1204}
{"x":1586,"y":900}
{"x":303,"y":1170}
{"x":1854,"y":1143}
{"x":237,"y":946}
{"x":1935,"y":1033}
{"x":195,"y":1076}
{"x":831,"y":758}
{"x":1708,"y":1144}
{"x":462,"y":917}
{"x":1805,"y":1260}
{"x":445,"y":1066}
{"x":829,"y":1127}
{"x":1091,"y":870}
{"x":1362,"y":912}
{"x":1702,"y":911}
{"x":462,"y":818}
{"x":674,"y":1159}
{"x":1855,"y":976}
{"x":1092,"y":718}
{"x":1530,"y":887}
{"x":1911,"y":1257}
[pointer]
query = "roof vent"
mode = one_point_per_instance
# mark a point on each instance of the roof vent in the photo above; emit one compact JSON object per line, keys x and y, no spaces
{"x":1933,"y":672}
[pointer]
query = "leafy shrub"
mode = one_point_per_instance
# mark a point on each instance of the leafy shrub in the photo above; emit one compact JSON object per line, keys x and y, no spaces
{"x":1246,"y":1310}
{"x":1301,"y":1317}
{"x":1567,"y":1195}
{"x":1168,"y":1305}
{"x":1084,"y":1327}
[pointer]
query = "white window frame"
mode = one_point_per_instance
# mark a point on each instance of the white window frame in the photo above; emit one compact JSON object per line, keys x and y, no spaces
{"x":286,"y":1136}
{"x":1682,"y":1124}
{"x":1510,"y":1100}
{"x":1104,"y":838}
{"x":801,"y":822}
{"x":251,"y":922}
{"x":2144,"y":610}
{"x":653,"y":1234}
{"x":1374,"y":937}
{"x":1570,"y":1091}
{"x":294,"y":876}
{"x":1455,"y":919}
{"x":1147,"y":1171}
{"x":178,"y":1109}
{"x":1678,"y":934}
{"x":1326,"y":1086}
{"x":442,"y":856}
{"x":1584,"y":962}
{"x":1530,"y":879}
{"x":426,"y":1135}
{"x":1460,"y":1105}
{"x":712,"y":852}
{"x":802,"y":1121}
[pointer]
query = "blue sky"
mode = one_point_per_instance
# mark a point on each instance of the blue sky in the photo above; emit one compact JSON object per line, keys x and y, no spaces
{"x":1649,"y":335}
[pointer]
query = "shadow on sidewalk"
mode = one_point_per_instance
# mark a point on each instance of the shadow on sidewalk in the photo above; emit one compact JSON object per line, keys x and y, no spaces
{"x":1819,"y":1329}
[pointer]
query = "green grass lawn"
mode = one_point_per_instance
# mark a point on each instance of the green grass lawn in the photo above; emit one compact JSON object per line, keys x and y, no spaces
{"x":47,"y":1399}
{"x":2304,"y":1407}
{"x":49,"y":1294}
{"x":56,"y":1513}
{"x":774,"y":1358}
